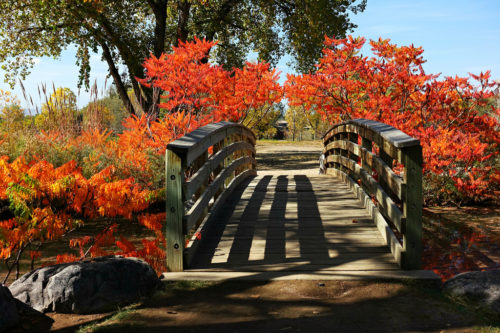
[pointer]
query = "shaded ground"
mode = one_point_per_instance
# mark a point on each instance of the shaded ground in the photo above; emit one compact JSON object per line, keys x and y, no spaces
{"x":289,"y":306}
{"x":286,"y":155}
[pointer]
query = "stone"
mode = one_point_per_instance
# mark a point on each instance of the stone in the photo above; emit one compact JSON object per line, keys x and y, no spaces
{"x":480,"y":287}
{"x":8,"y":310}
{"x":91,"y":286}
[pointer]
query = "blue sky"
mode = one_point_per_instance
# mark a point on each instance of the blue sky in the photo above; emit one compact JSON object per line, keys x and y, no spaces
{"x":458,"y":37}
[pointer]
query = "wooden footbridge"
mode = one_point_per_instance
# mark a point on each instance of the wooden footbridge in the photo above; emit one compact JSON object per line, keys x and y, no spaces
{"x":361,"y":217}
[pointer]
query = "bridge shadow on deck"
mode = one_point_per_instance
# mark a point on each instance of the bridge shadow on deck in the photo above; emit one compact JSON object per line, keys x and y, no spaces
{"x":293,"y":223}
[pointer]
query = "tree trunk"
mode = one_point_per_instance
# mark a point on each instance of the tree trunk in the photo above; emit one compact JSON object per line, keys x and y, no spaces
{"x":160,"y":12}
{"x":120,"y":87}
{"x":182,"y":32}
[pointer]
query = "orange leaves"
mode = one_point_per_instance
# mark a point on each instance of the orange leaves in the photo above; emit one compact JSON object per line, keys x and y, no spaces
{"x":48,"y":202}
{"x":153,"y":222}
{"x":120,"y":198}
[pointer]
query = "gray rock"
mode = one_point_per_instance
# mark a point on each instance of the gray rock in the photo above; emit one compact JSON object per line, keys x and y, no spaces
{"x":91,"y":286}
{"x":8,"y":311}
{"x":482,"y":288}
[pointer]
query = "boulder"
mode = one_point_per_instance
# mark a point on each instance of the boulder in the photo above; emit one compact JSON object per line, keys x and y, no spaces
{"x":481,"y":287}
{"x":91,"y":286}
{"x":8,"y":310}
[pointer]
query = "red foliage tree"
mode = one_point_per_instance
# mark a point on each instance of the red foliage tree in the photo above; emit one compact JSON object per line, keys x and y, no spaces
{"x":459,"y":138}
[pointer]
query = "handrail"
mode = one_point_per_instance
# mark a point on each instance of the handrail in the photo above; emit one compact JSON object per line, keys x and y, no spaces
{"x":197,"y":184}
{"x":362,"y":152}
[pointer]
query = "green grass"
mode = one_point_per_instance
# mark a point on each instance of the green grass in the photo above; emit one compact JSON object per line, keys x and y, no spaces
{"x":285,"y":142}
{"x":123,"y":318}
{"x":186,"y":285}
{"x":122,"y":314}
{"x":487,"y":329}
{"x":168,"y":288}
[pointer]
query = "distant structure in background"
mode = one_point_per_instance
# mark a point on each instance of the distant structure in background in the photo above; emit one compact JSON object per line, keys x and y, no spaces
{"x":281,"y":126}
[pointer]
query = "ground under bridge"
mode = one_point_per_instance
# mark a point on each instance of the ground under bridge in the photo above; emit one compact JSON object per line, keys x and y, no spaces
{"x":361,"y":218}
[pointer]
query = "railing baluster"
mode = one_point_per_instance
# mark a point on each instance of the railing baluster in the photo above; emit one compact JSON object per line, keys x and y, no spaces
{"x":367,"y":144}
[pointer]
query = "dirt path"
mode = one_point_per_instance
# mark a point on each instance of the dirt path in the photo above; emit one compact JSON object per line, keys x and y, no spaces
{"x":289,"y":306}
{"x":273,"y":156}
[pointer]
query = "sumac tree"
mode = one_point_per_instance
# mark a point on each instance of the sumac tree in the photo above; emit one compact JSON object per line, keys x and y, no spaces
{"x":460,"y":141}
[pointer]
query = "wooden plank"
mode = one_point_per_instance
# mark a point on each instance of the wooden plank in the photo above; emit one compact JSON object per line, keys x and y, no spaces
{"x":246,"y":133}
{"x":367,"y":145}
{"x":338,"y":275}
{"x":332,"y":252}
{"x":298,"y":265}
{"x":175,"y":210}
{"x":356,"y":261}
{"x":394,"y":136}
{"x":332,"y":243}
{"x":412,"y":207}
{"x":213,"y":162}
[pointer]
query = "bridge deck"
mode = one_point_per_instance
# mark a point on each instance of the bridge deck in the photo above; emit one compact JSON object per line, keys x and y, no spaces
{"x":293,"y":222}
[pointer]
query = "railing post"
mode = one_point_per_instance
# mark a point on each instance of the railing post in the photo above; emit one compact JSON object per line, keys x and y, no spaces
{"x":412,"y":207}
{"x":175,"y":212}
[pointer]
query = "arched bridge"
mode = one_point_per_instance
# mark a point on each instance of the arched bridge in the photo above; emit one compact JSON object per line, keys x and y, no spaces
{"x":363,"y":214}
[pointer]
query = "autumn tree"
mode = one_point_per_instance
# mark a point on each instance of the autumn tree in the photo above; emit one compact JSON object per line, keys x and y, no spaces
{"x":11,"y":113}
{"x":460,"y":141}
{"x":126,"y":32}
{"x":204,"y":92}
{"x":59,"y":112}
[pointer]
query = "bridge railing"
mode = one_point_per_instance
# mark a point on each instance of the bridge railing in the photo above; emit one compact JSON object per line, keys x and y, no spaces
{"x":385,"y":163}
{"x":202,"y":169}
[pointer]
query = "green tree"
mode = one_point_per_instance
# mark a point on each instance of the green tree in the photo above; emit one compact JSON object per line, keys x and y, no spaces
{"x":301,"y":119}
{"x":12,"y":117}
{"x":297,"y":121}
{"x":262,"y":120}
{"x":125,"y":32}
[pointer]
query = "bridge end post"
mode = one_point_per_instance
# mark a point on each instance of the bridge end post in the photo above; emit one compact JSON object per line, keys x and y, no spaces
{"x":174,"y":211}
{"x":412,"y":207}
